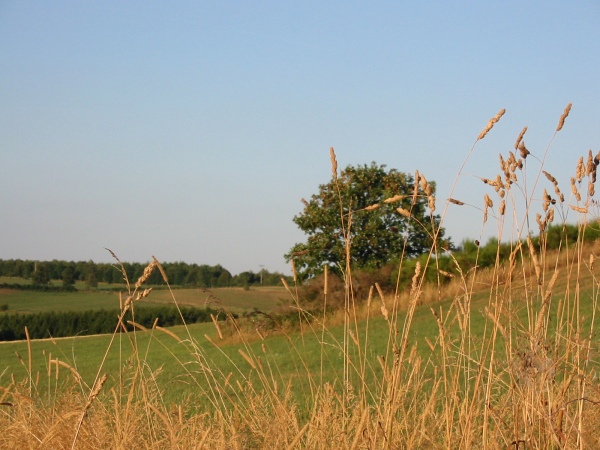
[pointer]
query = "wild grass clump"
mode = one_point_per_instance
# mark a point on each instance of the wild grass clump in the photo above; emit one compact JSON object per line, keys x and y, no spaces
{"x":501,"y":357}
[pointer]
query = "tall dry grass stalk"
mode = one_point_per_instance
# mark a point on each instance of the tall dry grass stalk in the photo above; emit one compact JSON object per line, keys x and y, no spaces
{"x":490,"y":124}
{"x":503,"y":357}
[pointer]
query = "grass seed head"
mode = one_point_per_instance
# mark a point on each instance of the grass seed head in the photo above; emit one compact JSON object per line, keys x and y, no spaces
{"x":580,"y":170}
{"x":591,"y":166}
{"x":503,"y":166}
{"x":574,"y":189}
{"x":502,"y":207}
{"x":95,"y":391}
{"x":536,"y":262}
{"x":558,"y":192}
{"x":247,"y":358}
{"x":423,"y":182}
{"x":579,"y":209}
{"x":394,"y":199}
{"x":550,"y":177}
{"x":415,"y":279}
{"x":523,"y":150}
{"x":488,"y":201}
{"x":520,"y":138}
{"x":498,"y":182}
{"x":546,"y":200}
{"x":294,"y":270}
{"x":143,"y":294}
{"x":404,"y":212}
{"x":415,"y":188}
{"x":334,"y":165}
{"x":384,"y":311}
{"x":147,"y":272}
{"x":490,"y":124}
{"x":431,"y":203}
{"x":565,"y":113}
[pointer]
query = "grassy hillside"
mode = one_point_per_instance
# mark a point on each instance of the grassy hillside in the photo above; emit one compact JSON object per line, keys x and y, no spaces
{"x":167,"y":354}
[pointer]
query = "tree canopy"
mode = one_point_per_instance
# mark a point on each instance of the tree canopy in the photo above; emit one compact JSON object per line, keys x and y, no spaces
{"x":379,"y":212}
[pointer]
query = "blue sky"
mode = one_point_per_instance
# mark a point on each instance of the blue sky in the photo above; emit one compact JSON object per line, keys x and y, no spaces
{"x":191,"y":130}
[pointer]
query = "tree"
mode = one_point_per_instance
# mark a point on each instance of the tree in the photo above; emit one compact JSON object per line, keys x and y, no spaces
{"x":91,"y":277}
{"x":68,"y":277}
{"x":41,"y":275}
{"x":224,"y":279}
{"x":360,"y":207}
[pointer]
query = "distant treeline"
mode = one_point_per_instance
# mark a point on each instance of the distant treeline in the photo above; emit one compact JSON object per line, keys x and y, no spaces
{"x":178,"y":273}
{"x":71,"y":323}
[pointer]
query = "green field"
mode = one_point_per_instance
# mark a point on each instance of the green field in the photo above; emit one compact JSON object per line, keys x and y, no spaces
{"x":295,"y":357}
{"x":85,"y":354}
{"x":266,"y":299}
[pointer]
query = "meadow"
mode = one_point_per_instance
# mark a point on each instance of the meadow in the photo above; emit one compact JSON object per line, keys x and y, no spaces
{"x":500,"y":358}
{"x":238,"y":300}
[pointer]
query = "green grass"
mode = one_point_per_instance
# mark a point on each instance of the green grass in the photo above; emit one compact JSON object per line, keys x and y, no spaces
{"x":266,"y":299}
{"x":36,"y":301}
{"x":235,"y":299}
{"x":85,"y":354}
{"x":180,"y":372}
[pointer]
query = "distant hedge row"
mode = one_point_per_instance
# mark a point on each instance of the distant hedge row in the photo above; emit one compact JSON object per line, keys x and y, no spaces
{"x":36,"y":287}
{"x":71,"y":323}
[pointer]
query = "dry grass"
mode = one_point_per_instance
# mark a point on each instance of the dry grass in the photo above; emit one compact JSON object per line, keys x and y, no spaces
{"x":520,"y":374}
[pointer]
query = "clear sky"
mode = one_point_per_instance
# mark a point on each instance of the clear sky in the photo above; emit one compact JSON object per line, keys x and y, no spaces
{"x":190,"y":130}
